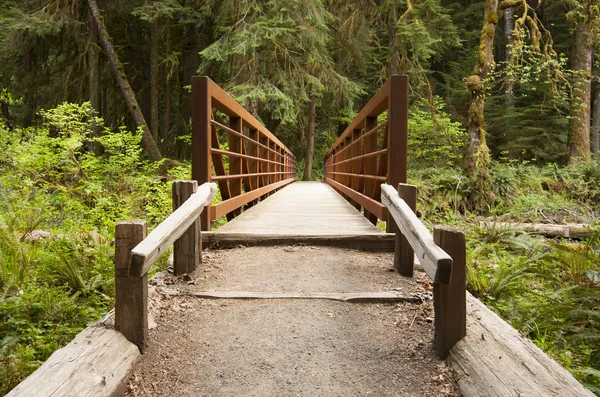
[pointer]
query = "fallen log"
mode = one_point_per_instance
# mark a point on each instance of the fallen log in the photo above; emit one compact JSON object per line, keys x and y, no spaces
{"x":571,"y":230}
{"x":97,"y":362}
{"x":494,"y":360}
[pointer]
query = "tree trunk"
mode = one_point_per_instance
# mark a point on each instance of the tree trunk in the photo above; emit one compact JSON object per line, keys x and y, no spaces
{"x":310,"y":142}
{"x":509,"y":25}
{"x":477,"y":155}
{"x":595,"y":135}
{"x":128,"y":93}
{"x":153,"y":76}
{"x":579,"y":123}
{"x":167,"y":116}
{"x":93,"y":66}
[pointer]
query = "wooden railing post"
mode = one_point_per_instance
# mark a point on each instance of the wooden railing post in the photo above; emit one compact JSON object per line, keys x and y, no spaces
{"x":201,"y":138}
{"x":187,"y":250}
{"x":450,"y":301}
{"x":404,"y":256}
{"x":398,"y":136}
{"x":131,"y":301}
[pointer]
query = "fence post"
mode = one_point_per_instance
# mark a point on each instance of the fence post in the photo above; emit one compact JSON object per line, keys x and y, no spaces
{"x":187,"y":249}
{"x":201,"y":136}
{"x":404,"y":256}
{"x":450,"y":301}
{"x":131,"y":301}
{"x":397,"y":136}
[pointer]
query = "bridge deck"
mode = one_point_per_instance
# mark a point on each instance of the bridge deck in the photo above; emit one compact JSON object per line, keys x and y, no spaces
{"x":302,"y":208}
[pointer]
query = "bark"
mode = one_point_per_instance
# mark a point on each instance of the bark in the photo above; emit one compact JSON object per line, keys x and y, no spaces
{"x":167,"y":116}
{"x":147,"y":141}
{"x":153,"y":76}
{"x":579,"y":123}
{"x":509,"y":25}
{"x":595,"y":135}
{"x":477,"y":155}
{"x":310,"y":142}
{"x":93,"y":65}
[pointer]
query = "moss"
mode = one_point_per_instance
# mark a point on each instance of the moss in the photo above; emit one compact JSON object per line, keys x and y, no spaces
{"x":510,"y":3}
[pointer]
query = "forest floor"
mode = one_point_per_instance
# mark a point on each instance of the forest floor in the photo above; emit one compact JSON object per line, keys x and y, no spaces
{"x":284,"y":347}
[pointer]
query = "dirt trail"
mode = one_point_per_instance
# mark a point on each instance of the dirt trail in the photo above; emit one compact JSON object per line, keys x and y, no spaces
{"x":209,"y":347}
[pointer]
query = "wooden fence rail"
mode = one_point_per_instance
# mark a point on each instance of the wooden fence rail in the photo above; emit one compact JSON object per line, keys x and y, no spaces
{"x":371,"y":151}
{"x":135,"y":252}
{"x":252,"y":165}
{"x":442,"y":256}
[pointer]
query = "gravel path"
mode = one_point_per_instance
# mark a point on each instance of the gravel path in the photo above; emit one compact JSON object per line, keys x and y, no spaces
{"x":225,"y":347}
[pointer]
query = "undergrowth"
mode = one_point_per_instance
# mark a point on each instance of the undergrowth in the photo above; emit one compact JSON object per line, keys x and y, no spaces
{"x":547,"y":289}
{"x":61,"y":179}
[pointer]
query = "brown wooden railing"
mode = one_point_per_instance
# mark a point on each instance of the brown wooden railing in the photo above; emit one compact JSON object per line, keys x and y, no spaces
{"x":258,"y":162}
{"x":372,"y":151}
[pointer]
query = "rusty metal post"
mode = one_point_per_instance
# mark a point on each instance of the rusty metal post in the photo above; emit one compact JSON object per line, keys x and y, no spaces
{"x":398,"y":136}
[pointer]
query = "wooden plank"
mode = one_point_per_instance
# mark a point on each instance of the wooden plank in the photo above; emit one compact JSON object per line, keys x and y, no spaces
{"x":131,"y":291}
{"x":201,"y":136}
{"x":97,"y":362}
{"x":436,"y":263}
{"x":450,"y":301}
{"x":302,"y":208}
{"x":494,"y":360}
{"x":224,"y":207}
{"x":351,"y":297}
{"x":187,"y":249}
{"x":161,"y":238}
{"x":404,"y":255}
{"x":356,"y":181}
{"x":371,"y":205}
{"x":373,"y":242}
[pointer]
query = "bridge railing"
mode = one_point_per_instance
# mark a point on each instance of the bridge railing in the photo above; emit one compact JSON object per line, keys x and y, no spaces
{"x":372,"y":150}
{"x":136,"y":252}
{"x":443,"y":258}
{"x":255,"y":162}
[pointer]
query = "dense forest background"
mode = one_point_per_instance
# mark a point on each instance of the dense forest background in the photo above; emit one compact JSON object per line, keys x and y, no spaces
{"x":504,"y":128}
{"x":529,"y":64}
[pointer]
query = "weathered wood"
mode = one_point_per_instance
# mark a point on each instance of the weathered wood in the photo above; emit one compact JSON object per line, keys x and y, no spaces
{"x":201,"y":136}
{"x":353,"y":297}
{"x":494,"y":360}
{"x":404,"y":255}
{"x":187,"y":249}
{"x":449,"y":301}
{"x":370,"y":146}
{"x":302,"y":208}
{"x":375,"y":242}
{"x":131,"y":301}
{"x":224,"y":207}
{"x":161,"y":238}
{"x":571,"y":230}
{"x":436,"y":263}
{"x":97,"y":362}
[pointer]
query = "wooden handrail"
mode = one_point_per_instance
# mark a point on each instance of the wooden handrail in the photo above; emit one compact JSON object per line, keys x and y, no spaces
{"x":135,"y":252}
{"x":368,"y":152}
{"x":259,"y":163}
{"x":436,"y":263}
{"x":442,"y":256}
{"x":160,"y":239}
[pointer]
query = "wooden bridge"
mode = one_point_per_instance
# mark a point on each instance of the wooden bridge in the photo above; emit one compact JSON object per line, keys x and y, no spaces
{"x":253,"y":175}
